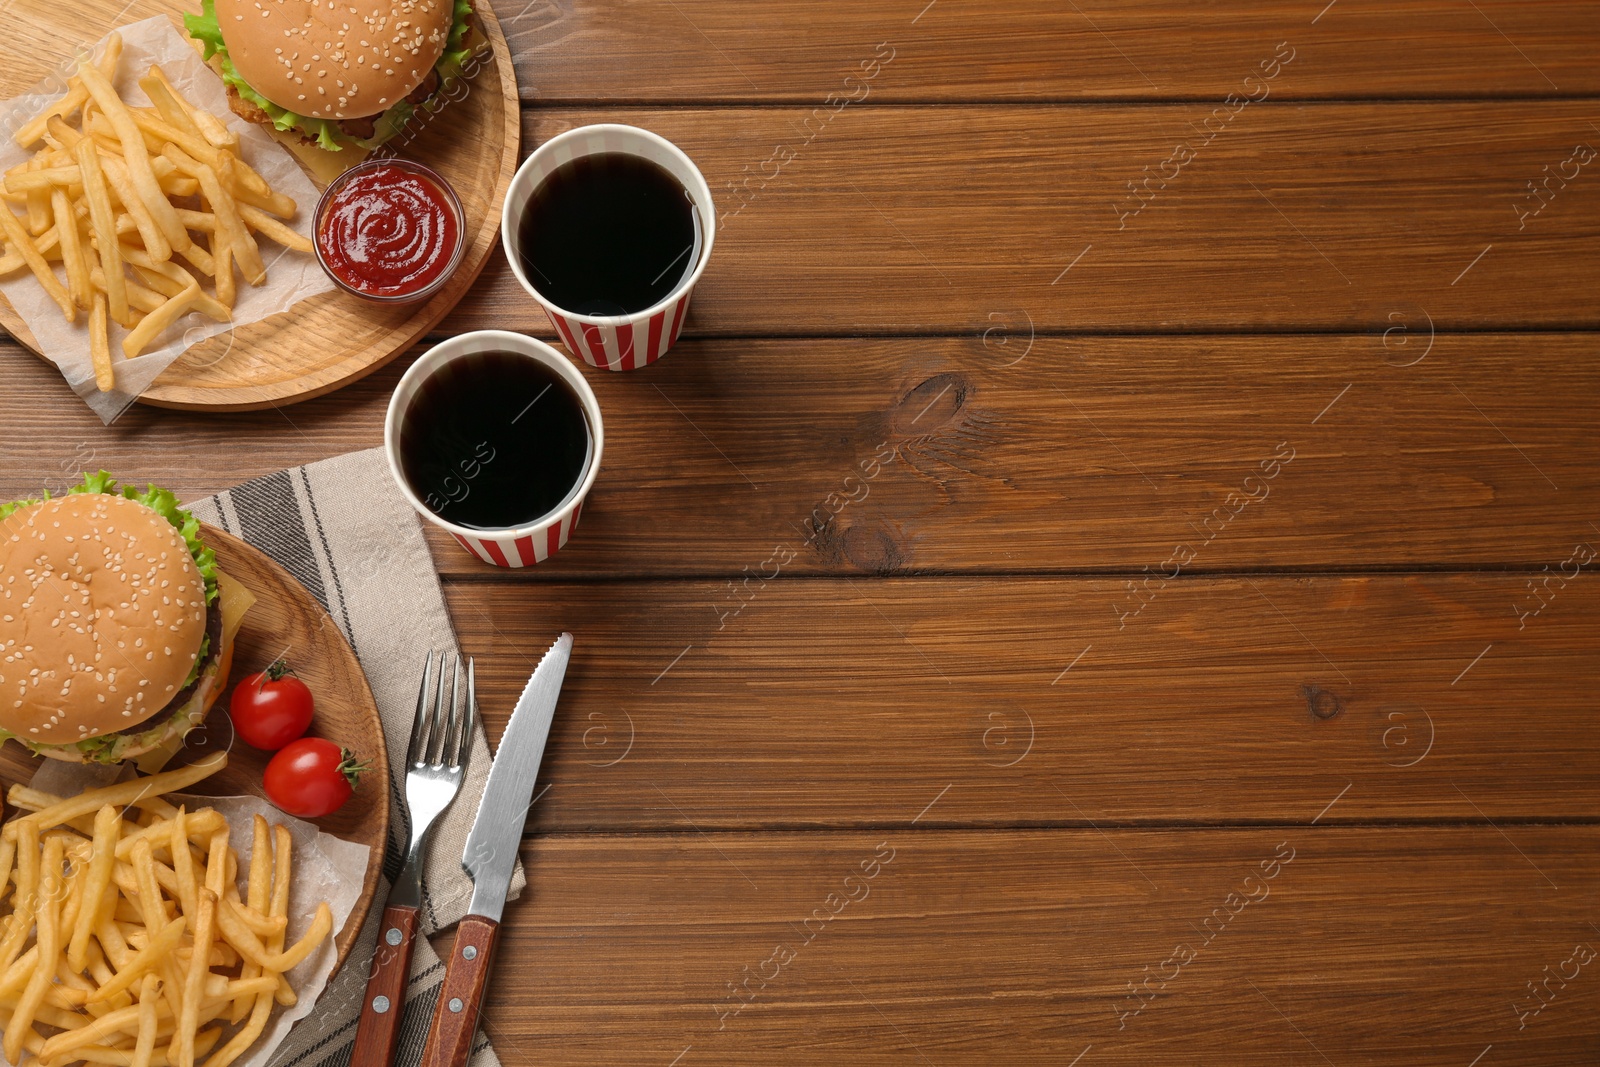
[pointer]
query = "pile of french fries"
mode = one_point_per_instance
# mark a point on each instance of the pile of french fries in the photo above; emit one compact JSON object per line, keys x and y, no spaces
{"x":125,"y":939}
{"x":117,"y":195}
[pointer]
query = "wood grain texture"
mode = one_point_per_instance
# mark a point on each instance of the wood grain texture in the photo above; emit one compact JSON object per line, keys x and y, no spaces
{"x":1371,"y":946}
{"x":378,"y":1032}
{"x":466,"y":980}
{"x":286,"y":616}
{"x":830,"y":703}
{"x":797,"y":52}
{"x":1294,"y":217}
{"x":329,"y":340}
{"x":1011,"y":454}
{"x":969,"y":767}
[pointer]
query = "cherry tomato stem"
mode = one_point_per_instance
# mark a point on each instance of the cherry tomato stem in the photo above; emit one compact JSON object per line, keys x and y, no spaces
{"x":312,"y":777}
{"x":272,"y":707}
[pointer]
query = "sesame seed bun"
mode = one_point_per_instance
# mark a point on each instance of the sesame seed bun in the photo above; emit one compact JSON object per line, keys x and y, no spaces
{"x":339,"y":59}
{"x":102,"y":615}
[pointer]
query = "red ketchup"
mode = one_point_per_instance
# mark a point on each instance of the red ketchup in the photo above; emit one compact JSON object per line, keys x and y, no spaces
{"x":389,"y":230}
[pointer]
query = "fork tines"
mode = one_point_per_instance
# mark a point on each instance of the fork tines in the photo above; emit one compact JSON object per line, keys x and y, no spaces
{"x":442,"y":732}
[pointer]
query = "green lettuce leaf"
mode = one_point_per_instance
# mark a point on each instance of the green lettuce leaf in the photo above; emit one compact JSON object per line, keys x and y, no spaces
{"x":103,"y":749}
{"x":7,"y":509}
{"x":205,"y":29}
{"x":458,"y":24}
{"x":199,"y":658}
{"x":165,"y":503}
{"x":327,"y":133}
{"x":161,"y":501}
{"x":108,"y":748}
{"x":389,"y":124}
{"x":456,"y":51}
{"x":100,"y":482}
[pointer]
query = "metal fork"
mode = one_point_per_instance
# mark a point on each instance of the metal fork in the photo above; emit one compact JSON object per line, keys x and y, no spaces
{"x":441,"y":740}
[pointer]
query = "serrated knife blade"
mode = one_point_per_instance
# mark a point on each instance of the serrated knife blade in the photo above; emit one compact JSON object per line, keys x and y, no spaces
{"x":490,"y":858}
{"x":491,"y":853}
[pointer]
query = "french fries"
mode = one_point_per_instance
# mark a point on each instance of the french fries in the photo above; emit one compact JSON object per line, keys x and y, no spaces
{"x":104,"y":229}
{"x":143,"y":952}
{"x":76,"y":96}
{"x":164,"y":180}
{"x":211,"y":128}
{"x":105,"y":375}
{"x":48,"y":944}
{"x":137,"y":156}
{"x":22,"y":243}
{"x":71,"y":247}
{"x":230,"y":228}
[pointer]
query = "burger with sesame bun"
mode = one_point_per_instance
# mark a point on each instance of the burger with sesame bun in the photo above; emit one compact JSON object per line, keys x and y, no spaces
{"x":116,"y":628}
{"x":339,"y":73}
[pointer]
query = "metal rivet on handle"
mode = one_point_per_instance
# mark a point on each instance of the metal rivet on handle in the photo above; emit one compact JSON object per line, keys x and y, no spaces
{"x":455,"y":1004}
{"x":393,"y":935}
{"x":470,"y":952}
{"x":380,"y":1004}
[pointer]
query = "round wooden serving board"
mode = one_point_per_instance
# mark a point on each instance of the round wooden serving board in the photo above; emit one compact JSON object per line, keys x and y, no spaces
{"x":286,"y":617}
{"x":330,"y":340}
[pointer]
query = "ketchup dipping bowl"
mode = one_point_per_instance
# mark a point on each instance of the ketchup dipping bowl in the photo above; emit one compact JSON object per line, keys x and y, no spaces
{"x":390,"y":231}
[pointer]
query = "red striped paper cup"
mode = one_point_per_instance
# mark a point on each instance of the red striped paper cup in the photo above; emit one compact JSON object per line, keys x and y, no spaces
{"x":613,"y":342}
{"x":519,"y":546}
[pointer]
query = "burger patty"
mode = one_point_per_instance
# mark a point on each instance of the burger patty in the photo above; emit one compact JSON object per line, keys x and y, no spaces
{"x":246,"y":110}
{"x":182,"y":697}
{"x":358,"y":129}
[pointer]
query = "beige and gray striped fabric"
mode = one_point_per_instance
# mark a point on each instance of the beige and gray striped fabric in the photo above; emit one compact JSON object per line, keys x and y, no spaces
{"x":343,"y":530}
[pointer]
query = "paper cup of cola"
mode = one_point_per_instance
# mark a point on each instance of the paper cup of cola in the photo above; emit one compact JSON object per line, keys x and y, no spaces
{"x":609,"y":227}
{"x":496,"y":438}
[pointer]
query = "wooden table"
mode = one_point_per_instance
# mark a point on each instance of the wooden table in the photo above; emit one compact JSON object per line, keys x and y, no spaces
{"x":1108,"y":576}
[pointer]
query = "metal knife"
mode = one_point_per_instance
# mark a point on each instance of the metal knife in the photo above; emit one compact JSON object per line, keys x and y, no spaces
{"x":491,"y":857}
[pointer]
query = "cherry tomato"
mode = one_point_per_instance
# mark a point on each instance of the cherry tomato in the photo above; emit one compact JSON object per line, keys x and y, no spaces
{"x":312,"y":777}
{"x":271,"y":708}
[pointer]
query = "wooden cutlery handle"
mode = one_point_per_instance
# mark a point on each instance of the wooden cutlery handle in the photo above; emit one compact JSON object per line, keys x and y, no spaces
{"x":378,"y":1032}
{"x":455,"y":1021}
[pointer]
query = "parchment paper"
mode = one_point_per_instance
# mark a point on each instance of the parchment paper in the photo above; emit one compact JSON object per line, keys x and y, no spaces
{"x":325,"y":868}
{"x":291,"y":276}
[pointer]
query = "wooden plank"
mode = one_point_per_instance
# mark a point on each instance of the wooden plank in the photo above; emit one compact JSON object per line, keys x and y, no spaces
{"x":1371,"y":946}
{"x":826,"y":703}
{"x":50,"y":437}
{"x":712,"y":50}
{"x":1008,"y":453}
{"x":1326,"y":217}
{"x":1086,"y":453}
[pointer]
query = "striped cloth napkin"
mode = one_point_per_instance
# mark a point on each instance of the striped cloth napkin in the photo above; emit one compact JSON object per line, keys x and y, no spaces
{"x":343,"y":530}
